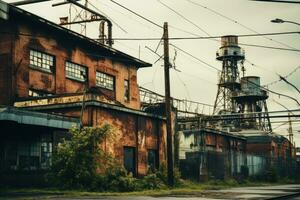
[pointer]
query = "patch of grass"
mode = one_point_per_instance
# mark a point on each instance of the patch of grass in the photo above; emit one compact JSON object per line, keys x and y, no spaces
{"x":189,"y":188}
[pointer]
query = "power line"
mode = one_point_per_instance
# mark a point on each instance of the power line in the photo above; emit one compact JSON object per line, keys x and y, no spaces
{"x":287,"y":82}
{"x":207,"y":64}
{"x":213,"y":37}
{"x":148,"y":20}
{"x":277,"y":81}
{"x":184,"y":31}
{"x":182,"y":16}
{"x":236,"y":22}
{"x":282,"y":106}
{"x":268,"y":47}
{"x":271,"y":91}
{"x":107,"y":17}
{"x":184,"y":85}
{"x":277,"y":1}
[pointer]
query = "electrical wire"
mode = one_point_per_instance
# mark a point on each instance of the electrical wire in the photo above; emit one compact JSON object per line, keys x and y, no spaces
{"x":277,"y":81}
{"x":203,"y":62}
{"x":236,"y":22}
{"x":212,"y":37}
{"x":150,"y":21}
{"x":277,"y":1}
{"x":128,"y":16}
{"x":282,"y":106}
{"x":271,"y":91}
{"x":119,"y":26}
{"x":184,"y":85}
{"x":268,"y":47}
{"x":183,"y":17}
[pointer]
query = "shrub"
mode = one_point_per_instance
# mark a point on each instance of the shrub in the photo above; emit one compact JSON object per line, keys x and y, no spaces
{"x":75,"y":162}
{"x":79,"y":163}
{"x":162,"y":173}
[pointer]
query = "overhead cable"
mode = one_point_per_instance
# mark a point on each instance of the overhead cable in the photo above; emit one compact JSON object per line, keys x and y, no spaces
{"x":182,"y":16}
{"x":136,"y":14}
{"x":236,"y":22}
{"x":213,"y":37}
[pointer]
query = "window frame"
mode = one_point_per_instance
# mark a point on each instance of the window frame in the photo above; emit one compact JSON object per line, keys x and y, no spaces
{"x":73,"y":77}
{"x":109,"y":76}
{"x":51,"y":69}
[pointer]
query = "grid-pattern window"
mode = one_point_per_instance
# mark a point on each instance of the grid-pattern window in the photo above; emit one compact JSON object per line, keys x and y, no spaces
{"x":41,"y":60}
{"x":105,"y":81}
{"x":126,"y":90}
{"x":29,"y":155}
{"x":75,"y":71}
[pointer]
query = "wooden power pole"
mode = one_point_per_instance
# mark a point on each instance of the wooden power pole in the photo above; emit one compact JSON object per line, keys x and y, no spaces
{"x":168,"y":107}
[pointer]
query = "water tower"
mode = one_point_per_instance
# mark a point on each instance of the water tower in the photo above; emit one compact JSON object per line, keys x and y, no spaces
{"x":231,"y":56}
{"x":251,"y":101}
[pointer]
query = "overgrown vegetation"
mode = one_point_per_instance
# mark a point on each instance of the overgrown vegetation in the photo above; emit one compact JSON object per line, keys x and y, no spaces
{"x":80,"y":163}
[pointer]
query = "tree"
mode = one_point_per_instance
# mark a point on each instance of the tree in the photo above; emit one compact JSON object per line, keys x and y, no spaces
{"x":76,"y":162}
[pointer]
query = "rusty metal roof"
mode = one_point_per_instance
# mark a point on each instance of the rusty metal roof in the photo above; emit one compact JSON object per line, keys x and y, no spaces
{"x":22,"y":116}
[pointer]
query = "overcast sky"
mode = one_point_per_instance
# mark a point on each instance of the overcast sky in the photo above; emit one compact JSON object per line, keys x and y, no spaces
{"x":197,"y":81}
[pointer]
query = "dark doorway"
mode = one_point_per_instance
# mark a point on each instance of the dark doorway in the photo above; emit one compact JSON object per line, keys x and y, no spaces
{"x":129,"y":159}
{"x":152,"y":160}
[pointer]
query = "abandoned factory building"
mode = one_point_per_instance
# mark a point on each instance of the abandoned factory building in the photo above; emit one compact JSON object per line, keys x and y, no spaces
{"x":46,"y":73}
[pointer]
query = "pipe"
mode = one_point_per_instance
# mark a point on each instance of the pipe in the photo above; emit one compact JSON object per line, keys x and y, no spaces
{"x":109,"y":24}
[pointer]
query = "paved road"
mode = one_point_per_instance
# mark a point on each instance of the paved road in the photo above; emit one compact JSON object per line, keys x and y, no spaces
{"x":243,"y":193}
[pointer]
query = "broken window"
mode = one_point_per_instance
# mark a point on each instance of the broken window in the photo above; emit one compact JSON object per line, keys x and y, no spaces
{"x":38,"y":93}
{"x":75,"y":71}
{"x":40,"y":60}
{"x":28,"y":154}
{"x":129,"y":159}
{"x":105,"y":81}
{"x":126,"y":90}
{"x":152,"y":160}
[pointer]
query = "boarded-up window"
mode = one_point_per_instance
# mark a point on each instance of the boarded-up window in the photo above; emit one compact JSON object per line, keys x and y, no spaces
{"x":129,"y":159}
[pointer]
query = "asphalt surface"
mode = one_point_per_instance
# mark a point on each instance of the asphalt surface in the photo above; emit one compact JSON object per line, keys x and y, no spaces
{"x":251,"y":193}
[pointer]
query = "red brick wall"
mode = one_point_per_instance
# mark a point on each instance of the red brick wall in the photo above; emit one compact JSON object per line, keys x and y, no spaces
{"x":64,"y":48}
{"x":141,"y":132}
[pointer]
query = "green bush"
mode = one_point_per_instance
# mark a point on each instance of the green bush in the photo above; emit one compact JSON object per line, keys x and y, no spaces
{"x":151,"y":182}
{"x":79,"y":163}
{"x":162,"y":174}
{"x":75,"y":162}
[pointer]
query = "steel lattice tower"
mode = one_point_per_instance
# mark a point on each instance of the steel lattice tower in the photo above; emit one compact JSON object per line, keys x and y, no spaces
{"x":231,"y":56}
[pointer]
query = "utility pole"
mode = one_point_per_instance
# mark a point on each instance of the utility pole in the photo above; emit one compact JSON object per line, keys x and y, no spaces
{"x":168,"y":107}
{"x":290,"y":130}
